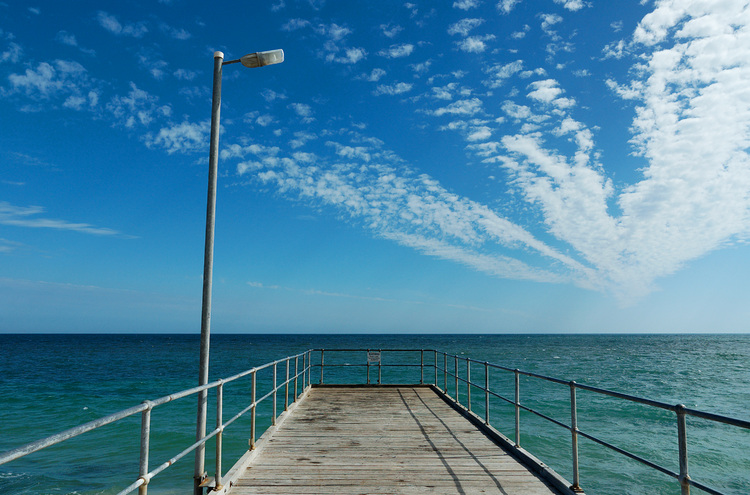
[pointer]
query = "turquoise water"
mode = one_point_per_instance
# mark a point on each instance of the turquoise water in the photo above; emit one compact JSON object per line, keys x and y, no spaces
{"x":53,"y":382}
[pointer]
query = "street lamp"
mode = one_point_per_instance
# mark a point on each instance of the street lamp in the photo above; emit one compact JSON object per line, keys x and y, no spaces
{"x":258,"y":59}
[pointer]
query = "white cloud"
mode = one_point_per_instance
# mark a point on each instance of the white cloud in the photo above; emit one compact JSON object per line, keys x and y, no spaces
{"x":499,"y":73}
{"x":295,"y":24}
{"x":474,"y":44}
{"x":183,"y":138}
{"x":466,"y":4}
{"x":185,"y":75}
{"x":180,"y":34}
{"x":66,"y":38}
{"x":411,"y":209}
{"x":460,"y":107}
{"x":351,"y":152}
{"x":397,"y":51}
{"x":572,"y":5}
{"x":351,"y":56}
{"x":11,"y":54}
{"x":61,"y":79}
{"x":548,"y":91}
{"x":304,"y":111}
{"x":422,"y":68}
{"x":113,"y":25}
{"x":464,"y":26}
{"x":692,"y":128}
{"x":21,"y":216}
{"x":137,"y":108}
{"x":270,"y":95}
{"x":616,"y":49}
{"x":444,"y":92}
{"x":506,"y":6}
{"x":392,"y":89}
{"x":390,"y":31}
{"x":481,"y":133}
{"x":549,"y":20}
{"x":374,"y":76}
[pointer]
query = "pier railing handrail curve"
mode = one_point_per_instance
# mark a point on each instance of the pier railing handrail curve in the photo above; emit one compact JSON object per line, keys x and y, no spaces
{"x":147,"y":406}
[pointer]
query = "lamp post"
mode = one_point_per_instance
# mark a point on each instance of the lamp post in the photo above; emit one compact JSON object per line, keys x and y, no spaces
{"x":258,"y":59}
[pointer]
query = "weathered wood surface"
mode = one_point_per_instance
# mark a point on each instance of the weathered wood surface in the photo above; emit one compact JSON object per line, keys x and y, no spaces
{"x":402,"y":440}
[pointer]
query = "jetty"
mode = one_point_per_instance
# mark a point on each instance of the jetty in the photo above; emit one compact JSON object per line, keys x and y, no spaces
{"x":396,"y":421}
{"x":382,"y":439}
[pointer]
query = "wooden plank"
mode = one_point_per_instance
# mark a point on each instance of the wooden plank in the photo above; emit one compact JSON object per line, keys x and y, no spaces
{"x":403,"y":440}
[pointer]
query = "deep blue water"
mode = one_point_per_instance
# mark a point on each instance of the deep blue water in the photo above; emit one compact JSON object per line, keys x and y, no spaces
{"x":52,"y":382}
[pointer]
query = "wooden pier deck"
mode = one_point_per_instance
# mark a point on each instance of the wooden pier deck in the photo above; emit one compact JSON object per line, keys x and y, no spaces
{"x":373,"y":440}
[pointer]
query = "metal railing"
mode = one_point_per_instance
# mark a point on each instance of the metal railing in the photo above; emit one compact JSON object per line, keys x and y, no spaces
{"x":460,"y":377}
{"x":440,"y":364}
{"x":145,"y":476}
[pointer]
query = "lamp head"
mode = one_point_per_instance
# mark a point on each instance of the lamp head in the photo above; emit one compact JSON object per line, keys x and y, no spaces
{"x":259,"y":59}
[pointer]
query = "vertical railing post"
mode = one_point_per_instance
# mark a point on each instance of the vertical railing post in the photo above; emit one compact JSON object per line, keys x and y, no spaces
{"x":486,"y":393}
{"x":286,"y":387}
{"x":682,"y":447}
{"x":304,"y":370}
{"x":309,"y":368}
{"x":252,"y":414}
{"x":436,"y":366}
{"x":275,"y":386}
{"x":380,"y":366}
{"x":145,"y":439}
{"x":445,"y":372}
{"x":296,"y":374}
{"x":455,"y":376}
{"x":321,"y":366}
{"x":468,"y":383}
{"x":518,"y":409}
{"x":368,"y":366}
{"x":574,"y":432}
{"x":219,"y":435}
{"x":421,"y":367}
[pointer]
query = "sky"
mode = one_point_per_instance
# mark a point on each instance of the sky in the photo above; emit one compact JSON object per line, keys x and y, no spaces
{"x":464,"y":166}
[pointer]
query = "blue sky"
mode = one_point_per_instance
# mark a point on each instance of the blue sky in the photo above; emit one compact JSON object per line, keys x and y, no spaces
{"x":460,"y":166}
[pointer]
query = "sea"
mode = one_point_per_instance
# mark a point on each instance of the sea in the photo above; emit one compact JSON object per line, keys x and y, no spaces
{"x":49,"y":383}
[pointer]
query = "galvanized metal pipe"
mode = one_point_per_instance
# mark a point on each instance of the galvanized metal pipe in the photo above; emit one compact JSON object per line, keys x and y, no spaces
{"x":304,"y":370}
{"x":286,"y":386}
{"x":455,"y":368}
{"x":252,"y":416}
{"x":145,"y":437}
{"x":486,"y":393}
{"x":445,"y":372}
{"x":208,"y":266}
{"x":220,"y":434}
{"x":421,"y":367}
{"x":684,"y":477}
{"x":380,"y":366}
{"x":518,"y":408}
{"x":436,"y":369}
{"x":273,"y":420}
{"x":468,"y":384}
{"x":296,"y":375}
{"x":574,"y":441}
{"x":321,"y":366}
{"x":368,"y":366}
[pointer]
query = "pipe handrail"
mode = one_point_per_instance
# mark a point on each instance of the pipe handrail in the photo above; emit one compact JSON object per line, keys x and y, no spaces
{"x":147,"y":406}
{"x":439,"y":364}
{"x":685,"y":481}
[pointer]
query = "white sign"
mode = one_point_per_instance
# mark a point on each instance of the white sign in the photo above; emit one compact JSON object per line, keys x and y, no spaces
{"x":373,"y":356}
